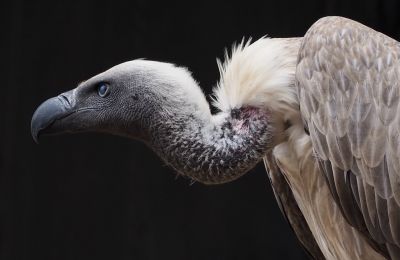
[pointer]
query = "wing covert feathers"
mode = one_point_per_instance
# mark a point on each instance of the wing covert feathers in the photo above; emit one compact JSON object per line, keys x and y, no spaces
{"x":348,"y":78}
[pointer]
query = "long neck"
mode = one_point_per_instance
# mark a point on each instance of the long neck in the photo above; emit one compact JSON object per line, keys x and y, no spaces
{"x":213,"y":149}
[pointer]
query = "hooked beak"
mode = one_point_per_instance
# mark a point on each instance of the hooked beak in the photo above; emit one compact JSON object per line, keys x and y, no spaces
{"x":49,"y":112}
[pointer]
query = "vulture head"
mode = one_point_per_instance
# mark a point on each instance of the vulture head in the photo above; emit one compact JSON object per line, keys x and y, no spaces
{"x":129,"y":99}
{"x":162,"y":105}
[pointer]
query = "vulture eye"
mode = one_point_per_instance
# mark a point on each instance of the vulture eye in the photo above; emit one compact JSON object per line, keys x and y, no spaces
{"x":102,"y":90}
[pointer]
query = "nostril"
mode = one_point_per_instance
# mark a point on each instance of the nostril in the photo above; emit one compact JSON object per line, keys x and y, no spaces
{"x":65,"y":99}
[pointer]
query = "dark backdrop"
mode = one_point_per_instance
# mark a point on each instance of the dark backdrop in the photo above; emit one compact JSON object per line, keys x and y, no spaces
{"x":93,"y":196}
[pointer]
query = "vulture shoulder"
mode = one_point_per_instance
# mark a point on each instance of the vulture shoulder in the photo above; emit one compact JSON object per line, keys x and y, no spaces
{"x":348,"y":78}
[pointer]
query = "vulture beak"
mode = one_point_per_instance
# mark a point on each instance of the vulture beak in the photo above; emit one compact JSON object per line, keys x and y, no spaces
{"x":49,"y":112}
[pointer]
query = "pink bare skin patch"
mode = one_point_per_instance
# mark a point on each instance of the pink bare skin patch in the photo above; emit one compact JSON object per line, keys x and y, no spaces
{"x":241,"y":118}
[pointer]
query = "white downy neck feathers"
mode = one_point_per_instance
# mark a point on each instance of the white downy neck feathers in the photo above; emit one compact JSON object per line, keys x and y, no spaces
{"x":260,"y":74}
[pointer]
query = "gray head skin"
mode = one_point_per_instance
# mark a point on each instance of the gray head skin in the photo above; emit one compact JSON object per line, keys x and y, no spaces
{"x":163,"y":106}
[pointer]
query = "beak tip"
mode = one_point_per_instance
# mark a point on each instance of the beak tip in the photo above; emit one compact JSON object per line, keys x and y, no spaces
{"x":35,"y":132}
{"x":35,"y":138}
{"x":45,"y":115}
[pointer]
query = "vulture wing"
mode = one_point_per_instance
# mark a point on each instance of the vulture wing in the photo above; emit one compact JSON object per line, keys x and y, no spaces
{"x":291,"y":211}
{"x":348,"y":78}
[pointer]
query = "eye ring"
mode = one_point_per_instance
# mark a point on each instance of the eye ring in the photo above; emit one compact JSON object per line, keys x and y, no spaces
{"x":103,"y":90}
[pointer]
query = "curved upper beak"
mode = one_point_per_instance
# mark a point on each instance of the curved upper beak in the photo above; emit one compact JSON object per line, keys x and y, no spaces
{"x":48,"y":112}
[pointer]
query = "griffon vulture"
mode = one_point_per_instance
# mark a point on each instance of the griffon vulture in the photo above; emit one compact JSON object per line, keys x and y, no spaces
{"x":322,"y":111}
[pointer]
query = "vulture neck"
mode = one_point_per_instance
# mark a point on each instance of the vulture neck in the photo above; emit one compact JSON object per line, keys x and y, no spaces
{"x":212,"y":149}
{"x":259,"y":109}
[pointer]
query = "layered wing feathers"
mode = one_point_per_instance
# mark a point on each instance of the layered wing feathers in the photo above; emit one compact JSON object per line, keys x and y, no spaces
{"x":348,"y":78}
{"x":290,"y":209}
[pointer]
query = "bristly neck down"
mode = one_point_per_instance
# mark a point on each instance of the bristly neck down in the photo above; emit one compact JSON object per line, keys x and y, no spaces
{"x":215,"y":149}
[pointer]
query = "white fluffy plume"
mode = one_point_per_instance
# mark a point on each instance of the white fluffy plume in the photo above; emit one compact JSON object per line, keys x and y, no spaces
{"x":260,"y":74}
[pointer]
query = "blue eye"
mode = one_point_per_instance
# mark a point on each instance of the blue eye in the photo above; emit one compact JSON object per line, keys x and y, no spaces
{"x":102,"y":90}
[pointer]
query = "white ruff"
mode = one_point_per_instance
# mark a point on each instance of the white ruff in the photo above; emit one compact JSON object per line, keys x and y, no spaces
{"x":260,"y":74}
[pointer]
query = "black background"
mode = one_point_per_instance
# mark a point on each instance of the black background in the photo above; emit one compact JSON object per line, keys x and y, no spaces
{"x":93,"y":196}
